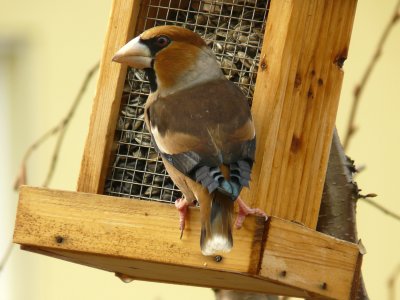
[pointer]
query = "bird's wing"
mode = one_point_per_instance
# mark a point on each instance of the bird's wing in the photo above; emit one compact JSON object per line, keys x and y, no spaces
{"x":200,"y":128}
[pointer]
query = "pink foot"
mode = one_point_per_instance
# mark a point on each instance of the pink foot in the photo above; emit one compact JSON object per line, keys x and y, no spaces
{"x":245,"y":210}
{"x":182,"y":205}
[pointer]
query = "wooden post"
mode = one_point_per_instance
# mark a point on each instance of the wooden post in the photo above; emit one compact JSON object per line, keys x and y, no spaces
{"x":295,"y":104}
{"x":107,"y":101}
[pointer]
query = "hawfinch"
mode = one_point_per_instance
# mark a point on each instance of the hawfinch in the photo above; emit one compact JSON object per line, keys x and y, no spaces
{"x":200,"y":123}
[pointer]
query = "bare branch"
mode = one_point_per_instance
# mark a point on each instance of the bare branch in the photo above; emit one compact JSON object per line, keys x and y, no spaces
{"x":392,"y":283}
{"x":381,"y":208}
{"x":351,"y":127}
{"x":21,"y":178}
{"x":6,"y":256}
{"x":65,"y":122}
{"x":337,"y":215}
{"x":59,"y":128}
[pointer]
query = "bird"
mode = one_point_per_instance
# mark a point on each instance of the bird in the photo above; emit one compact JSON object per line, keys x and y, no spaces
{"x":201,"y":124}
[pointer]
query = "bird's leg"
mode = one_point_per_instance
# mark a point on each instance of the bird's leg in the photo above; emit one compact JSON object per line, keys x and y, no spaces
{"x":182,"y":205}
{"x":245,"y":210}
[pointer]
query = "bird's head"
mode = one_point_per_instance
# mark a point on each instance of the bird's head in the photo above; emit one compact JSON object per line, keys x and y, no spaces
{"x":174,"y":58}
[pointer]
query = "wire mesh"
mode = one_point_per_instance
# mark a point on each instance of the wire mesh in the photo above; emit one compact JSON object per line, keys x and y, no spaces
{"x":234,"y":29}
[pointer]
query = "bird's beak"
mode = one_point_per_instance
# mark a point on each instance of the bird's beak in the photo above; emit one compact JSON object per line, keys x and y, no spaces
{"x":134,"y":54}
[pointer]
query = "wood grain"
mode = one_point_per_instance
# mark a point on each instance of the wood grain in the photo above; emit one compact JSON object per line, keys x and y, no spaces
{"x":295,"y":104}
{"x":108,"y":97}
{"x":128,"y":228}
{"x":307,"y":259}
{"x":141,"y":239}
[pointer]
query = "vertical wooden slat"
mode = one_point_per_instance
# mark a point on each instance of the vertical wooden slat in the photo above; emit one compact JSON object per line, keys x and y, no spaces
{"x":106,"y":104}
{"x":295,"y":104}
{"x":337,"y":54}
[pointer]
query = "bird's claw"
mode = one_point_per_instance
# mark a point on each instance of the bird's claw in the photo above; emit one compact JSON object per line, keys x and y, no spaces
{"x":245,"y":210}
{"x":182,"y":205}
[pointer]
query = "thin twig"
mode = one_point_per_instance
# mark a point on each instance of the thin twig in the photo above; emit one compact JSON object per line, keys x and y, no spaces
{"x":392,"y":283}
{"x":65,"y":122}
{"x":59,"y":128}
{"x":21,"y":178}
{"x":351,"y":127}
{"x":7,"y":254}
{"x":381,"y":208}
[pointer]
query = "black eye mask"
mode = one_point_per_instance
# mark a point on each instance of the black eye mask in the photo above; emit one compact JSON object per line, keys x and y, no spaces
{"x":157,"y":43}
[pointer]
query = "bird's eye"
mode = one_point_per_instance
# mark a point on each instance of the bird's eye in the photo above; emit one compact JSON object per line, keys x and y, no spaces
{"x":162,"y":41}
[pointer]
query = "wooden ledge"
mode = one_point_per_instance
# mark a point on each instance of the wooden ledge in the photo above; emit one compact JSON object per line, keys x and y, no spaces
{"x":141,"y":239}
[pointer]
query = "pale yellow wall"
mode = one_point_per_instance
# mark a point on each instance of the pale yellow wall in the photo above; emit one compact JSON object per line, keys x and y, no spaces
{"x":56,"y":42}
{"x":377,"y":143}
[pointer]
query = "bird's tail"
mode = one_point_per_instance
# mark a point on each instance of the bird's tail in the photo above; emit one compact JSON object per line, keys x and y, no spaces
{"x":216,"y":233}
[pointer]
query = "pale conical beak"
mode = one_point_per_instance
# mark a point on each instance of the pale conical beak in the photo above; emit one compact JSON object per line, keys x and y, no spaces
{"x":134,"y":54}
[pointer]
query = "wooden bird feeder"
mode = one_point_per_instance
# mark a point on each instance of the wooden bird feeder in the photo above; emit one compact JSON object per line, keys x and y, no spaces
{"x":287,"y":56}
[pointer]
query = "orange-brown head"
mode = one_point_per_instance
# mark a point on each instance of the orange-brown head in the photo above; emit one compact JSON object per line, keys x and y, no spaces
{"x":177,"y":57}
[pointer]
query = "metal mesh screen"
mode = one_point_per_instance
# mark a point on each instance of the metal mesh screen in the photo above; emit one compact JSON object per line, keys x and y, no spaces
{"x":234,"y":29}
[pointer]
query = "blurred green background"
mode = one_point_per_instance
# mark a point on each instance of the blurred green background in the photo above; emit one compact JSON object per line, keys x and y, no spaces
{"x":46,"y":49}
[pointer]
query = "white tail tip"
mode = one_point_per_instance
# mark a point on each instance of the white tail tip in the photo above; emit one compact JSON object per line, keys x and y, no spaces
{"x":216,"y":243}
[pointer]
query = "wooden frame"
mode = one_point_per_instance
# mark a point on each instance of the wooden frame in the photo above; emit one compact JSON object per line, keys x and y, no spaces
{"x":294,"y":108}
{"x":142,"y":241}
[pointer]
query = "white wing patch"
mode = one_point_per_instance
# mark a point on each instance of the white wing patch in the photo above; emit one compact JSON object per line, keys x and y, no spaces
{"x":159,"y":140}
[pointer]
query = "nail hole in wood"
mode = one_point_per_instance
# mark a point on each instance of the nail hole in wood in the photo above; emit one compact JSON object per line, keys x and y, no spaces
{"x":218,"y":258}
{"x":263,"y":65}
{"x":310,"y":94}
{"x":297,"y":80}
{"x":296,"y":144}
{"x":59,"y":239}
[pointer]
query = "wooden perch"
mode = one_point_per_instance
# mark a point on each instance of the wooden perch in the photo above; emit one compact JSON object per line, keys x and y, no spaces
{"x":141,"y":239}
